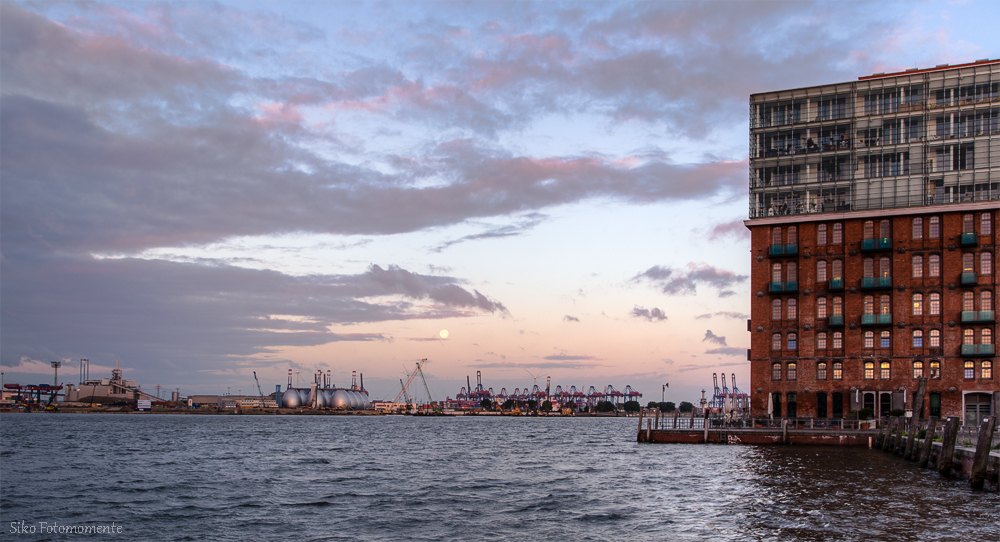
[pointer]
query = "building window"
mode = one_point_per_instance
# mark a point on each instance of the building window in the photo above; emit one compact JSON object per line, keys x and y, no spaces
{"x":821,"y":340}
{"x":884,"y":267}
{"x":986,"y":372}
{"x":793,"y":372}
{"x":838,"y":306}
{"x":838,"y":370}
{"x":918,"y":304}
{"x":968,"y":301}
{"x":968,"y":223}
{"x":918,"y":228}
{"x":838,"y":340}
{"x":970,"y":370}
{"x":986,"y":301}
{"x":869,"y":229}
{"x":821,"y":234}
{"x":918,"y":369}
{"x":869,"y":339}
{"x":776,"y":341}
{"x":838,"y":234}
{"x":969,"y":336}
{"x":918,"y":267}
{"x":934,"y":266}
{"x":792,"y":272}
{"x":821,"y":307}
{"x":775,"y":371}
{"x":883,"y":229}
{"x":968,"y":260}
{"x":884,"y":372}
{"x":869,"y":305}
{"x":935,"y":369}
{"x":838,"y":270}
{"x":986,"y":263}
{"x":935,"y":338}
{"x":986,"y":336}
{"x":884,"y":305}
{"x":885,"y":340}
{"x":776,"y":272}
{"x":986,"y":224}
{"x":776,"y":236}
{"x":793,"y":341}
{"x":869,"y":370}
{"x":869,"y":268}
{"x":821,"y":370}
{"x":776,"y":309}
{"x":821,"y":271}
{"x":793,"y":309}
{"x":918,"y":338}
{"x":934,"y":228}
{"x":934,"y":304}
{"x":793,"y":235}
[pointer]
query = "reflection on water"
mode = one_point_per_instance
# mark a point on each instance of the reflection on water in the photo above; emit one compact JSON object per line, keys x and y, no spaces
{"x":348,"y":478}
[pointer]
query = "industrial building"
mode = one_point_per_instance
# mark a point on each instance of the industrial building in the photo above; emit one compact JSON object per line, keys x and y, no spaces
{"x":873,"y":218}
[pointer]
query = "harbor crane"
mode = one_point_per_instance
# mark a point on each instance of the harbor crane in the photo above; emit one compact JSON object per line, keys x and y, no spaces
{"x":421,"y":371}
{"x":409,"y":380}
{"x":259,"y":390}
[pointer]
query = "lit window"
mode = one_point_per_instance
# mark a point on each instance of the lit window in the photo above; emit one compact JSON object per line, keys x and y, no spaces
{"x":970,"y":370}
{"x":838,"y":270}
{"x":918,"y":228}
{"x":918,"y":267}
{"x":934,"y":304}
{"x":775,"y":371}
{"x":934,"y":338}
{"x":986,"y":336}
{"x":869,"y":370}
{"x":918,"y":369}
{"x":869,"y":304}
{"x":969,"y":336}
{"x":986,"y":301}
{"x":934,"y":266}
{"x":776,"y":309}
{"x":821,"y":271}
{"x":838,"y":234}
{"x":986,"y":224}
{"x":838,"y":306}
{"x":791,"y":272}
{"x":821,"y":307}
{"x":821,"y":234}
{"x":792,"y":372}
{"x":884,"y":372}
{"x":776,"y":341}
{"x":884,"y":305}
{"x":821,"y":370}
{"x":918,"y":304}
{"x":883,"y":229}
{"x":838,"y":340}
{"x":793,"y":309}
{"x":967,"y":262}
{"x":986,"y":263}
{"x":793,"y":341}
{"x":968,"y":301}
{"x":821,"y":340}
{"x":776,"y":272}
{"x":869,"y":339}
{"x":885,"y":340}
{"x":884,"y":267}
{"x":934,"y":231}
{"x":918,"y":338}
{"x":987,"y":370}
{"x":935,"y":369}
{"x":838,"y":370}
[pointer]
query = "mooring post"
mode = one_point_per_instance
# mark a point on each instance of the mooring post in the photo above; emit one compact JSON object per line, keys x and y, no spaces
{"x":692,"y":420}
{"x":948,"y":446}
{"x":642,"y":410}
{"x":657,"y":418}
{"x":649,"y":430}
{"x":982,"y":457}
{"x":888,"y":434}
{"x":925,"y":452}
{"x":784,"y":431}
{"x":897,"y":445}
{"x":911,"y":446}
{"x":676,"y":414}
{"x":705,"y":437}
{"x":881,"y":433}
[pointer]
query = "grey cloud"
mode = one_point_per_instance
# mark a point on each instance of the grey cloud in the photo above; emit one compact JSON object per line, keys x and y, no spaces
{"x":725,"y":314}
{"x":684,"y":281}
{"x":695,"y":367}
{"x":570,"y":357}
{"x":652,"y":315}
{"x":734,"y":229}
{"x":569,"y":318}
{"x":512,"y":365}
{"x":712,"y":337}
{"x":509,"y":230}
{"x":728,"y":351}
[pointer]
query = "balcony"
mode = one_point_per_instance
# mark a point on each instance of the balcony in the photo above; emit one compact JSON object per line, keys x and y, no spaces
{"x":783,"y":250}
{"x":977,"y":350}
{"x":971,"y":317}
{"x":837,"y":320}
{"x":836,"y":284}
{"x":874,"y":283}
{"x":876,"y":319}
{"x":783,"y":287}
{"x":875,"y":245}
{"x":969,"y":279}
{"x":968,"y":240}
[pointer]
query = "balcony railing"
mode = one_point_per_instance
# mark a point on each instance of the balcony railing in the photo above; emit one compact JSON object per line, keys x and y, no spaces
{"x":869,"y":283}
{"x":836,"y":320}
{"x":876,"y":319}
{"x":871,"y":245}
{"x":978,"y":316}
{"x":968,"y":240}
{"x":783,"y":250}
{"x":836,"y":284}
{"x":977,"y":350}
{"x":969,"y":279}
{"x":782,"y":287}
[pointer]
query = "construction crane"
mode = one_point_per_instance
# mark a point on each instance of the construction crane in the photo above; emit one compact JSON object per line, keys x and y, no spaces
{"x":260,"y":390}
{"x":421,"y":371}
{"x":409,"y":380}
{"x":405,"y":396}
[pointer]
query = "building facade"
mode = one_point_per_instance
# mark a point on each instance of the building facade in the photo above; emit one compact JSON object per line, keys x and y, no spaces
{"x":874,"y":209}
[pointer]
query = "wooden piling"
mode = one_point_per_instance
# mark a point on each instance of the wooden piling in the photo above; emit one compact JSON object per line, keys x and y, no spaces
{"x":981,"y":459}
{"x":887,"y":442}
{"x":897,"y":444}
{"x":638,"y":437}
{"x":918,"y":398}
{"x":784,"y":431}
{"x":649,"y":430}
{"x":705,"y":437}
{"x":911,"y":441}
{"x":883,"y":428}
{"x":925,"y":452}
{"x":657,"y":418}
{"x":676,"y":414}
{"x":948,"y":447}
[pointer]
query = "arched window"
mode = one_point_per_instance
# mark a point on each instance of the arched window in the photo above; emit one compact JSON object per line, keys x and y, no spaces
{"x":838,"y":370}
{"x":986,"y":336}
{"x":776,"y":272}
{"x":934,"y":265}
{"x":775,"y":236}
{"x":970,"y":370}
{"x":869,"y":268}
{"x":869,"y":370}
{"x":918,"y":369}
{"x":838,"y":270}
{"x":821,"y":370}
{"x":935,"y":370}
{"x":776,"y":341}
{"x":884,"y":305}
{"x":884,"y":267}
{"x":934,"y":338}
{"x":792,"y":372}
{"x":883,"y":229}
{"x":934,"y":304}
{"x":884,"y":372}
{"x":986,"y":224}
{"x":821,"y":340}
{"x":885,"y":340}
{"x":775,"y":371}
{"x":793,"y":341}
{"x":968,"y":262}
{"x":821,"y":271}
{"x":838,"y":306}
{"x":792,"y":272}
{"x":918,"y":304}
{"x":869,"y":229}
{"x":918,"y":338}
{"x":869,"y":305}
{"x":918,"y":267}
{"x":918,"y":228}
{"x":934,"y":228}
{"x":969,"y":336}
{"x":985,"y":301}
{"x":838,"y":340}
{"x":793,"y":309}
{"x":968,"y":301}
{"x":987,"y":370}
{"x":820,"y":307}
{"x":776,"y":309}
{"x":821,"y":234}
{"x":838,"y":234}
{"x":793,"y":235}
{"x":869,"y":339}
{"x":986,"y":263}
{"x":968,"y":223}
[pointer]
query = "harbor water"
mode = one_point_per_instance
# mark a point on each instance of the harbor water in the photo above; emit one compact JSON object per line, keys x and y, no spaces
{"x":303,"y":478}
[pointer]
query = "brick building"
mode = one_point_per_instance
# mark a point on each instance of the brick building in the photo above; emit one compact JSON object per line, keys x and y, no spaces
{"x":874,"y":208}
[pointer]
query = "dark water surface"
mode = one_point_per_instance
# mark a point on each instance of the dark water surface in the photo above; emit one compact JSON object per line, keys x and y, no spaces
{"x":305,"y":478}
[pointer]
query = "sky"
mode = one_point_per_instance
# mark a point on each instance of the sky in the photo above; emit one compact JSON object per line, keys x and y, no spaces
{"x":199,"y":191}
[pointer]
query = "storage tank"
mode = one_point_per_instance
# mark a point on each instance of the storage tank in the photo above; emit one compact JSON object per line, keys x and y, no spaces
{"x":322,"y":399}
{"x":340,"y":399}
{"x":291,"y":399}
{"x":362,"y":400}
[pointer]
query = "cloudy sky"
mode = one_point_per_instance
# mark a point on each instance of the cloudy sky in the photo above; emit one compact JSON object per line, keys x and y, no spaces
{"x":203,"y":190}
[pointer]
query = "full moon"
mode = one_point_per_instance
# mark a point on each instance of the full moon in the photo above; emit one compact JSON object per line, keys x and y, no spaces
{"x":444,"y":333}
